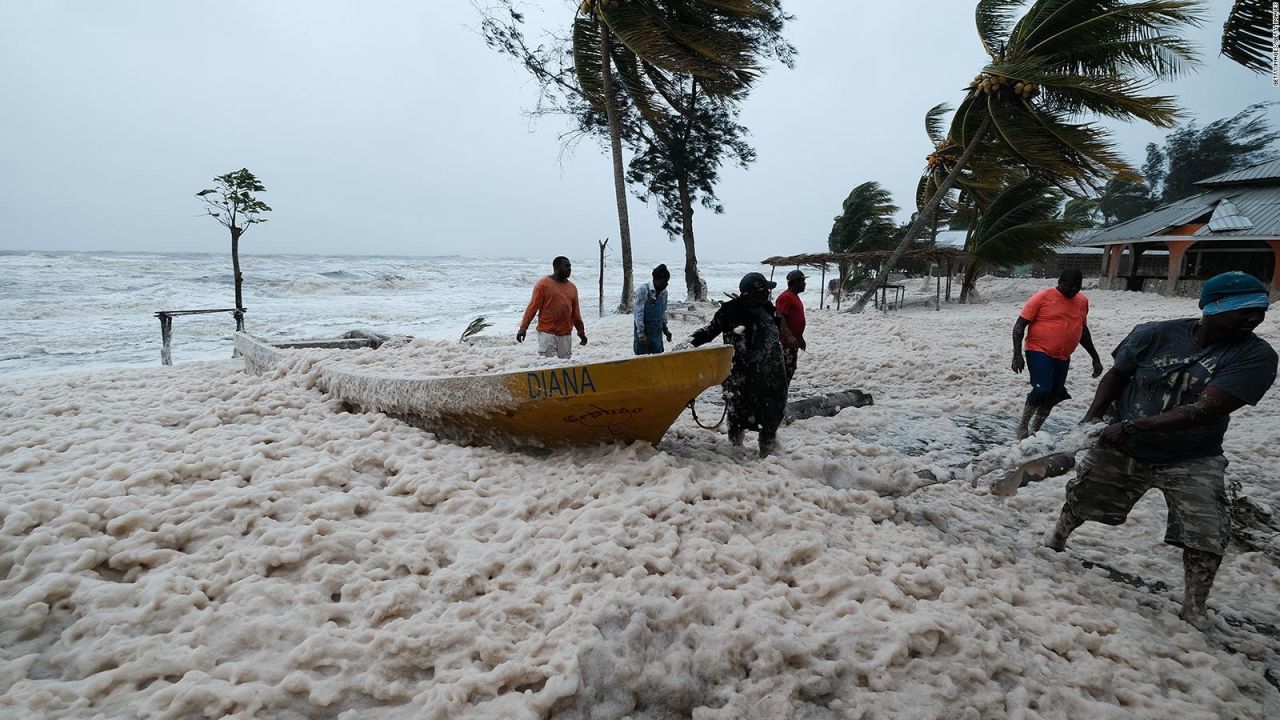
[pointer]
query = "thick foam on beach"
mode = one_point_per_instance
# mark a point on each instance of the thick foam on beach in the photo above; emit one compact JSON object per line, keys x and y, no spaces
{"x":198,"y":541}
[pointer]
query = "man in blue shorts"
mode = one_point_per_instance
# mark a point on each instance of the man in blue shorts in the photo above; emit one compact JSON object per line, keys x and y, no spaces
{"x":1055,"y":323}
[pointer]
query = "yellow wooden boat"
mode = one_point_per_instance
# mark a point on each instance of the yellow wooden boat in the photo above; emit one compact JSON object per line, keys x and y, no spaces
{"x":618,"y":401}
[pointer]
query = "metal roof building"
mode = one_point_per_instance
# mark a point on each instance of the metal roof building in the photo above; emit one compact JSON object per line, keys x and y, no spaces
{"x":1232,"y":224}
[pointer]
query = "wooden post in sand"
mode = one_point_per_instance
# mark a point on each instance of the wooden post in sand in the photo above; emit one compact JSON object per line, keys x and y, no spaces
{"x":937,"y":295}
{"x":166,"y":328}
{"x":166,"y":338}
{"x":603,"y":243}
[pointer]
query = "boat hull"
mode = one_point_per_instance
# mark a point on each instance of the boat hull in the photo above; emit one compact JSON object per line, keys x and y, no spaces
{"x":617,"y":401}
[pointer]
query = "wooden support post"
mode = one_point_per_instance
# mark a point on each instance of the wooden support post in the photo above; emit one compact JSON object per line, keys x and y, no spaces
{"x":1275,"y":269}
{"x":949,"y":272}
{"x":239,"y":316}
{"x":1177,"y":249}
{"x":166,"y":339}
{"x":937,"y":295}
{"x":1114,"y":252}
{"x":822,"y":289}
{"x":602,"y":243}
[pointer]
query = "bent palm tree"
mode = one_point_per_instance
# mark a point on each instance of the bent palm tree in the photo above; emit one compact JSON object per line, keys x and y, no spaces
{"x":865,"y":223}
{"x":1020,"y":225}
{"x":1062,"y":60}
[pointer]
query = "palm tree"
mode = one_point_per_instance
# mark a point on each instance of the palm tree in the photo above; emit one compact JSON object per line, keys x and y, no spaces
{"x":718,"y":42}
{"x":1020,"y":225}
{"x":864,"y":223}
{"x":1063,"y":59}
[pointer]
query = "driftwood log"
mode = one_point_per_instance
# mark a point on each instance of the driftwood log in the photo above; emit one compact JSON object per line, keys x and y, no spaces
{"x":825,"y":405}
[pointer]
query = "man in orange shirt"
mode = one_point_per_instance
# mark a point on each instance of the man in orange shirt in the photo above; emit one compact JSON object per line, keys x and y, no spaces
{"x":1054,"y":322}
{"x":555,"y":302}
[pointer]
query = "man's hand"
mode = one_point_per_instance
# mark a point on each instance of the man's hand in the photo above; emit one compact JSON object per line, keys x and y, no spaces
{"x":667,"y":333}
{"x":1112,"y":435}
{"x":582,"y":337}
{"x":520,"y":336}
{"x":1097,"y":367}
{"x":804,"y":345}
{"x":1020,"y":363}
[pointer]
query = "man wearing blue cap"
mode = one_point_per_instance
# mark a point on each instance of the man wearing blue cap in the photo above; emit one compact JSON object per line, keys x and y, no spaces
{"x":1168,"y":401}
{"x":755,"y":393}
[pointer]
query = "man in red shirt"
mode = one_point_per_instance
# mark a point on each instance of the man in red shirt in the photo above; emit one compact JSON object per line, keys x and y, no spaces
{"x":555,"y":302}
{"x":791,"y":310}
{"x":1054,"y":322}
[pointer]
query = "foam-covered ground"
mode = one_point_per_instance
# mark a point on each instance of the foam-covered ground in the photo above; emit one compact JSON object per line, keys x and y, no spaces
{"x":199,"y":542}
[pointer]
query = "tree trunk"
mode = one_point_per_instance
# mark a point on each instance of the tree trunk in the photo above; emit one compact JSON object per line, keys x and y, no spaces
{"x":692,"y":282}
{"x":619,"y":183}
{"x":970,"y":281}
{"x":240,"y":279}
{"x":603,"y":243}
{"x":694,"y":289}
{"x":925,"y":213}
{"x":970,"y":274}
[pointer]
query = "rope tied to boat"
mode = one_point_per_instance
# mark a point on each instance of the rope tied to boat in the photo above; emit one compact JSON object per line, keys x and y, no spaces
{"x":694,"y":411}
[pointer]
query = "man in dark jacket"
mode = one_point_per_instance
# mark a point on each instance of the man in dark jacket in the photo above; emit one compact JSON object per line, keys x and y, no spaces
{"x":756,"y":389}
{"x":1168,"y":399}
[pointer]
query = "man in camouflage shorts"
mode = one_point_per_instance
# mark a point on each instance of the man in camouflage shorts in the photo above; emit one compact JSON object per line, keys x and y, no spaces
{"x":1168,"y":400}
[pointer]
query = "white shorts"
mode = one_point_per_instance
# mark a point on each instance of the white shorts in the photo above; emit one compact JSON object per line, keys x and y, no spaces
{"x":560,"y":346}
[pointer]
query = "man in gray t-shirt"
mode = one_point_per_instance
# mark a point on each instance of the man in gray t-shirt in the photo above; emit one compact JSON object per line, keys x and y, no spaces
{"x":1168,"y":400}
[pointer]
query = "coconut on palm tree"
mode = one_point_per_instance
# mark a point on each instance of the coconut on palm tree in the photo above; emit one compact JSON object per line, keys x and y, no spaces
{"x":1059,"y":63}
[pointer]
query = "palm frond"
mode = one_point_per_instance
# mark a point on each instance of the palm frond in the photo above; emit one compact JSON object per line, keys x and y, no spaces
{"x":1021,"y":224}
{"x":639,"y":91}
{"x":588,"y":63}
{"x":1246,"y":36}
{"x":866,"y":219}
{"x":1114,"y":37}
{"x":995,"y":20}
{"x":935,"y":123}
{"x":1114,"y":97}
{"x":645,"y":33}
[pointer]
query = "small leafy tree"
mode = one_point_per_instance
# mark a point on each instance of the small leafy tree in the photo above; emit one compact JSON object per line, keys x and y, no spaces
{"x":232,"y":203}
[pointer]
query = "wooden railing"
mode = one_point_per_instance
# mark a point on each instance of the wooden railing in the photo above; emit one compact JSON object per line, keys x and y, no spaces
{"x":166,"y":327}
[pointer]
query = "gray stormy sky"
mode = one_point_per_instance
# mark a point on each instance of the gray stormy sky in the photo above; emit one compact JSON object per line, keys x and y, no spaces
{"x":389,"y":127}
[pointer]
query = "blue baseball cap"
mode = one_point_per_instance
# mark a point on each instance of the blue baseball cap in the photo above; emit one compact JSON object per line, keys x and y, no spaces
{"x":1233,"y":291}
